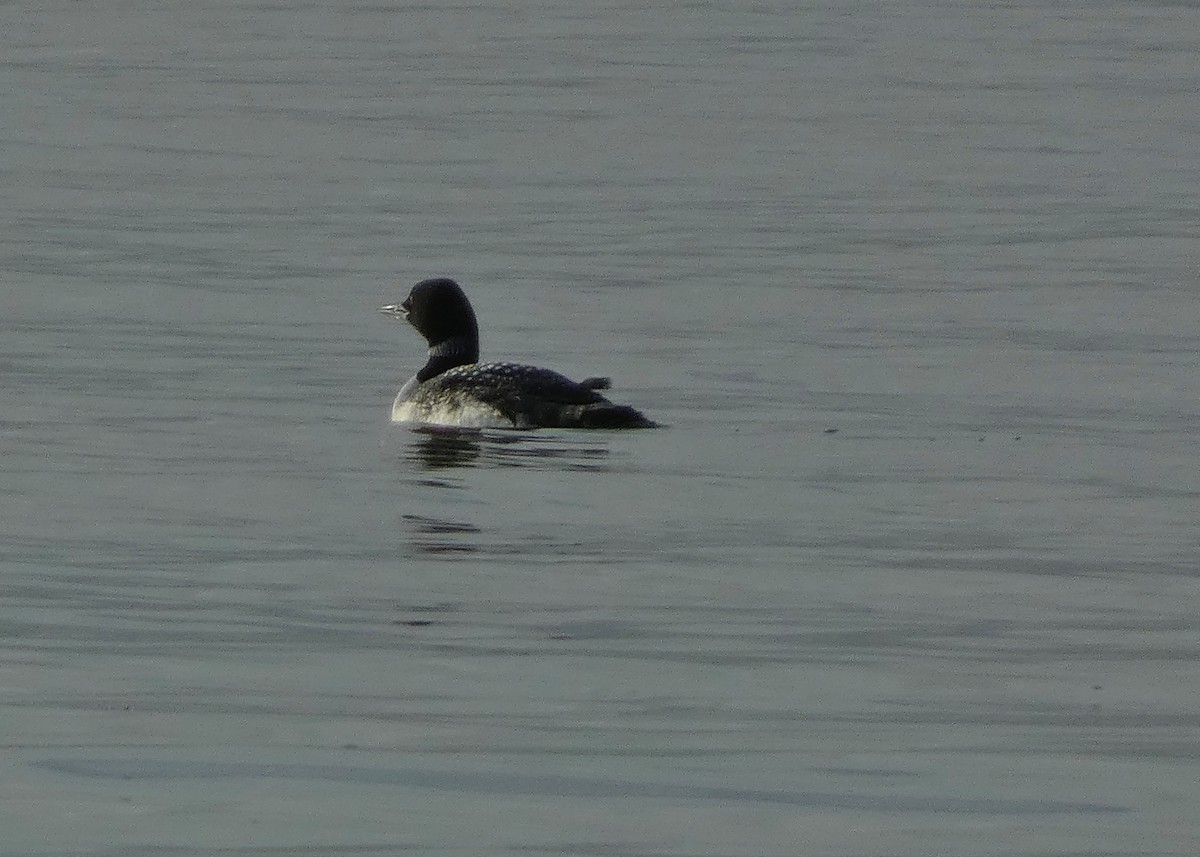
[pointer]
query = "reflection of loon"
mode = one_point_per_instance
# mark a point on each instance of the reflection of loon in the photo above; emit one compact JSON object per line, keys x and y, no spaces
{"x":453,"y":389}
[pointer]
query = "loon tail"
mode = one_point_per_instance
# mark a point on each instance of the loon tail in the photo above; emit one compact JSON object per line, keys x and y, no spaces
{"x":596,"y":383}
{"x":603,"y":415}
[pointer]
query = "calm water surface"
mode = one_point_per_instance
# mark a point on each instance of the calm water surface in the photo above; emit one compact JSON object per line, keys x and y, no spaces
{"x":911,"y":571}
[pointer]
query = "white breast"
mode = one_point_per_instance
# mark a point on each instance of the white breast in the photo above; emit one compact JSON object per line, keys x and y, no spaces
{"x":459,"y":411}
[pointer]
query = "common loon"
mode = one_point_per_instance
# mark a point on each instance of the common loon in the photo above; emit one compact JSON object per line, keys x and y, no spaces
{"x":454,"y":389}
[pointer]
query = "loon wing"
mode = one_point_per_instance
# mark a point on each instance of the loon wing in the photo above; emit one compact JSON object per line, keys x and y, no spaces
{"x":534,"y":397}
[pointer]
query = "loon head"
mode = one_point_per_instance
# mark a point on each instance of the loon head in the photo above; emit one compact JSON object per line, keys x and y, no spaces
{"x":441,"y":313}
{"x":438,"y":309}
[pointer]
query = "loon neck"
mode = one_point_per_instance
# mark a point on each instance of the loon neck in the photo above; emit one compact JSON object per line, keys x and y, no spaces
{"x":455,"y":351}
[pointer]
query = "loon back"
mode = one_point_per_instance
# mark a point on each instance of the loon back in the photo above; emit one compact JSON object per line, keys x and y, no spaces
{"x":528,"y":397}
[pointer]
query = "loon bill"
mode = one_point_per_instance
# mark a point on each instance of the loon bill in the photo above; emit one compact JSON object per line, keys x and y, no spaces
{"x":454,"y":389}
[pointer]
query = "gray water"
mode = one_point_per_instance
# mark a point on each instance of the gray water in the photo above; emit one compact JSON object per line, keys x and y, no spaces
{"x":910,"y":571}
